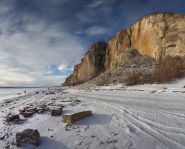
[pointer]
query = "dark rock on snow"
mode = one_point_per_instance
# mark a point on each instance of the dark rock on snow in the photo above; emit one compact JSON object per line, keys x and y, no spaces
{"x":29,"y":136}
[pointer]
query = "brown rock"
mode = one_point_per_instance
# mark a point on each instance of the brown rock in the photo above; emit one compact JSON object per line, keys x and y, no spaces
{"x":56,"y":112}
{"x":27,"y":114}
{"x":92,"y":64}
{"x":157,"y":35}
{"x":28,"y":136}
{"x":12,"y":118}
{"x":116,"y":46}
{"x":76,"y":117}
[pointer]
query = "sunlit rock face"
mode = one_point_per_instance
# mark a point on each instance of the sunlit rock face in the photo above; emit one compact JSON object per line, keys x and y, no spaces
{"x":91,"y":64}
{"x":156,"y":35}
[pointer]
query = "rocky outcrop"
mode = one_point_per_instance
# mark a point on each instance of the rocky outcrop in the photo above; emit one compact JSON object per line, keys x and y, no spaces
{"x":156,"y":35}
{"x":92,"y":64}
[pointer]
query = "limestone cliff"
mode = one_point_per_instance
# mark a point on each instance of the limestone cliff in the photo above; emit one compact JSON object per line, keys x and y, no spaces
{"x":91,"y":64}
{"x":156,"y":35}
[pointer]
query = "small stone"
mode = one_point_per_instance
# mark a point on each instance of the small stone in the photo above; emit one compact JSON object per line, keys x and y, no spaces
{"x":2,"y":137}
{"x":92,"y":136}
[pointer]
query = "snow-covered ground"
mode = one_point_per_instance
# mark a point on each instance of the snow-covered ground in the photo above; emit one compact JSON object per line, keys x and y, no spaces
{"x":136,"y":117}
{"x":7,"y":93}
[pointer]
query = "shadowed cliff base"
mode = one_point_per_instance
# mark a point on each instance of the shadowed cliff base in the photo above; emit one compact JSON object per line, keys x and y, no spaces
{"x":154,"y":37}
{"x":141,"y":70}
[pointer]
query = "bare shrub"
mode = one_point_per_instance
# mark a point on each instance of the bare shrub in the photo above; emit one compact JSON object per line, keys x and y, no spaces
{"x":170,"y":68}
{"x":139,"y":76}
{"x":167,"y":69}
{"x":132,"y":77}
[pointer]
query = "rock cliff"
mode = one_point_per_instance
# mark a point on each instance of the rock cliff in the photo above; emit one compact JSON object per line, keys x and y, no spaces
{"x":91,"y":64}
{"x":156,"y":35}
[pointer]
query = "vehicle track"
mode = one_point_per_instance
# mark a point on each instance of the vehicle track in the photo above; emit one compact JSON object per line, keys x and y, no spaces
{"x":141,"y":102}
{"x":147,"y":126}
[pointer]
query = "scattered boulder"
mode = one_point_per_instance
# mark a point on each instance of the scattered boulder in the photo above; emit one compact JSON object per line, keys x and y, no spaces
{"x":74,"y":102}
{"x":32,"y":109}
{"x":12,"y":118}
{"x":29,"y":111}
{"x":76,"y":117}
{"x":56,"y":112}
{"x":27,"y":114}
{"x":40,"y":110}
{"x":30,"y":136}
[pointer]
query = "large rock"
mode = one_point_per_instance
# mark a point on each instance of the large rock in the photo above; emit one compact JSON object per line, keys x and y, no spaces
{"x":30,"y":136}
{"x":70,"y":119}
{"x":156,"y":35}
{"x":12,"y":118}
{"x":91,"y":64}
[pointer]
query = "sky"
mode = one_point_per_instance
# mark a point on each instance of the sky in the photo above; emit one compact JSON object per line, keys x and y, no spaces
{"x":41,"y":40}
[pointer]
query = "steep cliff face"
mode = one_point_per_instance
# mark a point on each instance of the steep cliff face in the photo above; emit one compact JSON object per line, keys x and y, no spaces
{"x":91,"y":64}
{"x":156,"y":35}
{"x":116,"y":47}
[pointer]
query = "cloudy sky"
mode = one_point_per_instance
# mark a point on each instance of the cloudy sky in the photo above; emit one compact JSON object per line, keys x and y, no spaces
{"x":41,"y":40}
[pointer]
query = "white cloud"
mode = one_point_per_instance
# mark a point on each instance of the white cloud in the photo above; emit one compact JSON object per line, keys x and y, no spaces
{"x":25,"y":54}
{"x":96,"y":11}
{"x":9,"y":76}
{"x":95,"y":4}
{"x":97,"y":30}
{"x":62,"y":67}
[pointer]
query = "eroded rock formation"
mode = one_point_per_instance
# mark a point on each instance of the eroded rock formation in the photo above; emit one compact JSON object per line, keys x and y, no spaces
{"x":156,"y":35}
{"x":92,"y":64}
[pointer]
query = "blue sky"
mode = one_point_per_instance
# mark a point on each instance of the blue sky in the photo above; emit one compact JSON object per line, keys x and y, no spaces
{"x":41,"y":40}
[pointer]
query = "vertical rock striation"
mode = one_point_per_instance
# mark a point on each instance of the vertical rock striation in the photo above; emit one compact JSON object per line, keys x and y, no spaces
{"x":156,"y":35}
{"x":92,"y":64}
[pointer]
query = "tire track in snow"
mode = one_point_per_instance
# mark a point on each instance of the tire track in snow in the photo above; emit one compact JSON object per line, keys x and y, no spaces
{"x":146,"y":127}
{"x":141,"y":102}
{"x":157,"y":125}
